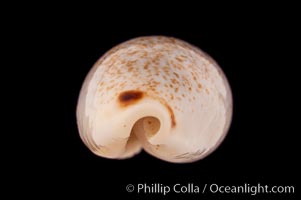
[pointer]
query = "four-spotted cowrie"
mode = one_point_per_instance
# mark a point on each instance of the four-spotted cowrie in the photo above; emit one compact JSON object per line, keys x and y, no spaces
{"x":155,"y":93}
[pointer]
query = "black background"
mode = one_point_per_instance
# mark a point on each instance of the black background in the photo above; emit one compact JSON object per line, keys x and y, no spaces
{"x":256,"y":52}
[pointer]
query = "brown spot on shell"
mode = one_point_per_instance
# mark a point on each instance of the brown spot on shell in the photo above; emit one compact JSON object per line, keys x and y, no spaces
{"x":172,"y":115}
{"x":170,"y":111}
{"x":177,"y":75}
{"x":129,"y":97}
{"x":174,"y":81}
{"x":179,"y":59}
{"x":130,"y":68}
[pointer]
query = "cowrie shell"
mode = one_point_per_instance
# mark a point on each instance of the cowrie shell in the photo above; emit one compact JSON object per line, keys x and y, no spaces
{"x":155,"y":93}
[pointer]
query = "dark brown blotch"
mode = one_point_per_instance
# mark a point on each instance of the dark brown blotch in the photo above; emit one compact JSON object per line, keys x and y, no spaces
{"x":130,"y":97}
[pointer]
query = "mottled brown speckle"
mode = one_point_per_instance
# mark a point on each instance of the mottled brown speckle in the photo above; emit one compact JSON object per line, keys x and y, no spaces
{"x":177,"y":75}
{"x":163,"y":68}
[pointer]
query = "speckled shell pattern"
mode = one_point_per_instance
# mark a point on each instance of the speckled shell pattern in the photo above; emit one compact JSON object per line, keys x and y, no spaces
{"x":175,"y":85}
